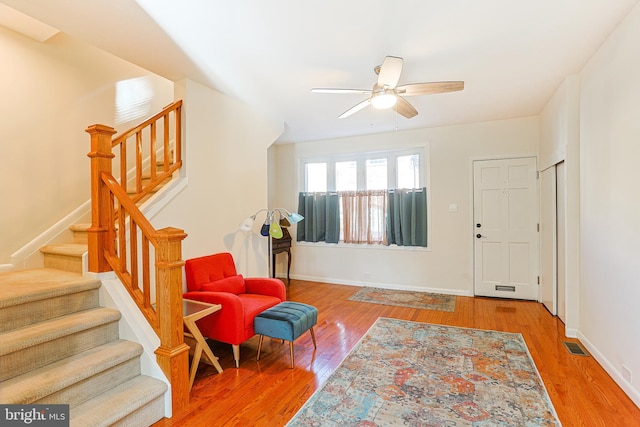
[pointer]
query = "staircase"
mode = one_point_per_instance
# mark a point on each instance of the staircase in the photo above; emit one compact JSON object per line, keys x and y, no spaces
{"x":57,"y":345}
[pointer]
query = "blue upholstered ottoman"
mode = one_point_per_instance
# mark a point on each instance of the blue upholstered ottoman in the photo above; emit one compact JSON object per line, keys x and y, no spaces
{"x":286,"y":321}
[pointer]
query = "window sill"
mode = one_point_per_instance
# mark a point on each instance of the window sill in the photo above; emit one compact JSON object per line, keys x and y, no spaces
{"x":364,"y":246}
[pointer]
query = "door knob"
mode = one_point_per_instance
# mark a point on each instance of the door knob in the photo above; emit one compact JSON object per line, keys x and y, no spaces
{"x":478,"y":225}
{"x":478,"y":235}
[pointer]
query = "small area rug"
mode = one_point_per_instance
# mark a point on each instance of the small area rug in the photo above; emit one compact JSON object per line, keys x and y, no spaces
{"x":404,"y":373}
{"x":423,"y":300}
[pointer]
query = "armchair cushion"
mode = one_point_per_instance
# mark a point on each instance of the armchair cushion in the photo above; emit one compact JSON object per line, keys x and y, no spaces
{"x":231,"y":284}
{"x":207,"y":269}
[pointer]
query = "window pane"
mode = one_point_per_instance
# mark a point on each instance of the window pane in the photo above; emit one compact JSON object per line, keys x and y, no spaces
{"x":409,"y":171}
{"x":346,"y":176}
{"x":315,"y":176}
{"x":377,"y":174}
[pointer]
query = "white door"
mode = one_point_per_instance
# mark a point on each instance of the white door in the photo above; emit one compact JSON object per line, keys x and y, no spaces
{"x":505,"y":226}
{"x":548,"y":271}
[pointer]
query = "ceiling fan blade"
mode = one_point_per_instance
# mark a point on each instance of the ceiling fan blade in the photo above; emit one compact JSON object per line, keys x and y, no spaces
{"x":355,"y":108}
{"x":389,"y":73}
{"x":404,"y":108}
{"x":330,"y":90}
{"x":428,"y":88}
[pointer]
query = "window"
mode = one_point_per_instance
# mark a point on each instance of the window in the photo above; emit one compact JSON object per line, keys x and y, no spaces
{"x":376,"y":170}
{"x":408,"y":168}
{"x":315,"y":176}
{"x":346,"y":176}
{"x":365,"y":198}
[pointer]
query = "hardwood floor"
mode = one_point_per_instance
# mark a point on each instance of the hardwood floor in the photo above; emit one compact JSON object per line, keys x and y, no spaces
{"x":269,"y":393}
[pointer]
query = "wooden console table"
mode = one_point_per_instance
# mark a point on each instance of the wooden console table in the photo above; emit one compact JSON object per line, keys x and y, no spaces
{"x":193,"y":311}
{"x":278,"y":246}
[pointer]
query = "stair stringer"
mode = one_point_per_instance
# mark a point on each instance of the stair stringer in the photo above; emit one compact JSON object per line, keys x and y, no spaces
{"x":133,"y":326}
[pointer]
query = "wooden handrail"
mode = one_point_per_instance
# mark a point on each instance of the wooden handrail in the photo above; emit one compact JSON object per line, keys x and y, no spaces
{"x":144,"y":137}
{"x":121,"y":238}
{"x":130,"y":218}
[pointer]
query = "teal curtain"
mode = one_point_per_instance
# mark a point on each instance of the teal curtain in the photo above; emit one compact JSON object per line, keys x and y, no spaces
{"x":407,"y":217}
{"x":321,"y":212}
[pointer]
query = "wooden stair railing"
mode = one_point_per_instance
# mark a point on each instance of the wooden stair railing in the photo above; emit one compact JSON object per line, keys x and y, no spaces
{"x":121,"y":239}
{"x":171,"y":159}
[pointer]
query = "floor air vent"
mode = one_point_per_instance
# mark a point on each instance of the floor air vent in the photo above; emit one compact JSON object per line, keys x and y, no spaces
{"x":575,"y":348}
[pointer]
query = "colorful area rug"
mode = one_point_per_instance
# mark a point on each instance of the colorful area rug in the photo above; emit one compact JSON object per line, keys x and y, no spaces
{"x":417,"y":374}
{"x":423,"y":300}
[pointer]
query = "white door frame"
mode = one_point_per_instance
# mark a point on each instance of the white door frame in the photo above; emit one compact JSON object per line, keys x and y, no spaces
{"x":472,"y":228}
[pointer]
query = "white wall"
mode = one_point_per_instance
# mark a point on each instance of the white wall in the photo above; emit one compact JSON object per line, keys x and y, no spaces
{"x":51,"y":92}
{"x":448,"y":264}
{"x":610,"y":205}
{"x":226,"y":147}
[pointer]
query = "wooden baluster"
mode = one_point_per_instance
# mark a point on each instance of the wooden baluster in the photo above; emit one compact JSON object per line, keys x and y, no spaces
{"x":139,"y":154}
{"x":101,"y":158}
{"x":166,"y":141}
{"x":178,"y":133}
{"x":173,"y":353}
{"x":123,"y":165}
{"x":153,"y":163}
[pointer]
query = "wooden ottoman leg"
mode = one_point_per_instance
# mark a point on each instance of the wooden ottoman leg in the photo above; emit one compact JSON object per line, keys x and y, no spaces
{"x":260,"y":346}
{"x":291,"y":352}
{"x":313,"y":337}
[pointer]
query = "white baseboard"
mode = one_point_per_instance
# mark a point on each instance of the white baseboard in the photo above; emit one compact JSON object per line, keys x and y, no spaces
{"x":338,"y":281}
{"x":633,"y":393}
{"x":570,"y":332}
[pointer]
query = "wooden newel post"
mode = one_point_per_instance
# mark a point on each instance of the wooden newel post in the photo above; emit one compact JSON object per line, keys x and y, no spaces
{"x":101,"y":157}
{"x":173,"y":353}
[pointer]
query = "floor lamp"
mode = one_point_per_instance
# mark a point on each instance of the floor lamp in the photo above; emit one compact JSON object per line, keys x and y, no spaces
{"x":272,"y":226}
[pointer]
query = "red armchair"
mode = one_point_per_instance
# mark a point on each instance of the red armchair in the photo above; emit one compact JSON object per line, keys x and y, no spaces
{"x":214,"y":279}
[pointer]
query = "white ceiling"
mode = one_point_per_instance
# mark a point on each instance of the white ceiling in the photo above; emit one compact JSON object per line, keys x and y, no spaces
{"x":512,"y":55}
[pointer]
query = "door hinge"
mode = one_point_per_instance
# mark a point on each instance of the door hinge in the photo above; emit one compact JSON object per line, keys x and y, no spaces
{"x":537,"y":174}
{"x":538,"y":280}
{"x":538,"y":227}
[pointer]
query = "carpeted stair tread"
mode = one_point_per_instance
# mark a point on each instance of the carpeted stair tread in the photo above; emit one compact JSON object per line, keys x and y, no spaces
{"x":39,"y":384}
{"x":20,"y":287}
{"x":57,"y":345}
{"x":80,"y":234}
{"x":32,"y":335}
{"x":112,"y":406}
{"x":83,"y":227}
{"x":65,"y":249}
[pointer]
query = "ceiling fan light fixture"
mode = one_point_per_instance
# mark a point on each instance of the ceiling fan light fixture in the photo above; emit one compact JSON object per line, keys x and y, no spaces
{"x":384,"y":100}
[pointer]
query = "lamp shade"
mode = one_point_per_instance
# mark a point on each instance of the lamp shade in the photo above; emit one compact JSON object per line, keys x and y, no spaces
{"x":247,"y":224}
{"x":284,"y":222}
{"x":264,"y":231}
{"x":295,"y":218}
{"x":275,"y":230}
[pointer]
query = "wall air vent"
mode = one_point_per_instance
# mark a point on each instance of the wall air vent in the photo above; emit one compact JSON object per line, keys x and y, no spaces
{"x":575,"y":348}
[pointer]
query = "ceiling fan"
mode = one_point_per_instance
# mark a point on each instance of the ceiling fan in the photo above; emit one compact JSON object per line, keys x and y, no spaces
{"x":386,"y":93}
